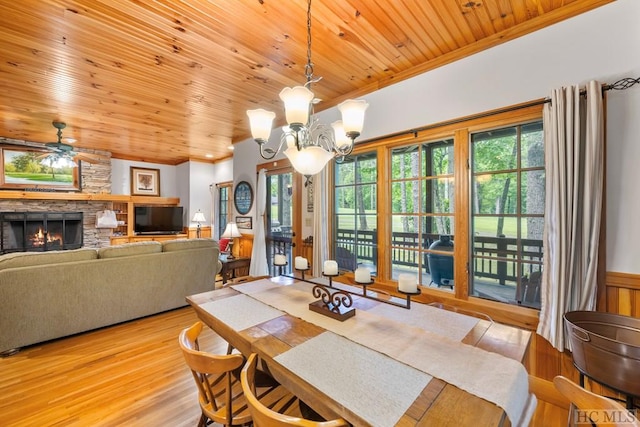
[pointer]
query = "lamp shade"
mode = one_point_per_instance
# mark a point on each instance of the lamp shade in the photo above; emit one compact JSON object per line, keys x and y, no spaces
{"x":308,"y":161}
{"x":261,"y":121}
{"x":198,"y":217}
{"x":231,"y":231}
{"x":353,"y":115}
{"x":296,"y":104}
{"x":342,"y":140}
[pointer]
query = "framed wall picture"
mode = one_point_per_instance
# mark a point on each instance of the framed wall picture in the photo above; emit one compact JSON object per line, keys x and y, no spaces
{"x":145,"y":182}
{"x":245,"y":222}
{"x":28,"y":169}
{"x":243,"y":197}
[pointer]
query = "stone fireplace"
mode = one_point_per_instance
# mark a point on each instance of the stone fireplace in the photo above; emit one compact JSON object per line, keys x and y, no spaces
{"x":40,"y":231}
{"x":96,"y":179}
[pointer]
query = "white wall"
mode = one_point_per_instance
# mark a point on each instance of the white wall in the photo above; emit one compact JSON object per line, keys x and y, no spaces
{"x":602,"y":44}
{"x":223,"y":171}
{"x":121,"y":177}
{"x":201,"y":176}
{"x":246,"y":156}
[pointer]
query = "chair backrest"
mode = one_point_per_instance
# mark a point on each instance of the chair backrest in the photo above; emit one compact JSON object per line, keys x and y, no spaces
{"x":265,"y":417}
{"x":528,"y":290}
{"x":602,"y":410}
{"x":213,"y":376}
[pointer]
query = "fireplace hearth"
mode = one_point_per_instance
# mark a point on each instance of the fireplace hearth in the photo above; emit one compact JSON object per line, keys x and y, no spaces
{"x":40,"y":231}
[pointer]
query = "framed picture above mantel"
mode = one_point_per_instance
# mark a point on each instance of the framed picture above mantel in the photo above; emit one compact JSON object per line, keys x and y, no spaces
{"x":37,"y":170}
{"x":145,"y":181}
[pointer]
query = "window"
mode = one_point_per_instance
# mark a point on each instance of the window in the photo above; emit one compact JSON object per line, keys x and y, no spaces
{"x":224,"y":206}
{"x":461,"y":206}
{"x":507,"y":202}
{"x":280,"y":217}
{"x":422,"y":212}
{"x":355,"y":218}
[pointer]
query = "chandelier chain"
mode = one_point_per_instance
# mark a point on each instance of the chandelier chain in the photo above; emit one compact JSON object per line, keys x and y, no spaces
{"x":306,"y":142}
{"x":308,"y":69}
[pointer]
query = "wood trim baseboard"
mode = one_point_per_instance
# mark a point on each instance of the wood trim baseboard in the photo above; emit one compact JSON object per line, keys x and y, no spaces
{"x":622,"y":280}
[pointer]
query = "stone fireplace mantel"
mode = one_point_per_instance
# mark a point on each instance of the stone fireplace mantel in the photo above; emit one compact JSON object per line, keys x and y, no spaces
{"x":87,"y":203}
{"x":123,"y":198}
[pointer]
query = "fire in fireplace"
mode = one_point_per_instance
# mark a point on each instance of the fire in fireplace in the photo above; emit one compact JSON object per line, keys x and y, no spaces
{"x":40,"y":231}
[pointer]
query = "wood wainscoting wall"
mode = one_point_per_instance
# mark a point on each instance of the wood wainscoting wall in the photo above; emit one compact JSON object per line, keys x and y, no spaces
{"x":622,"y":296}
{"x":243,"y":246}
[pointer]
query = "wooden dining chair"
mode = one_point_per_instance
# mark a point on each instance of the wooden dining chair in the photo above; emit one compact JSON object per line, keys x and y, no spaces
{"x":604,"y":411}
{"x":275,"y":416}
{"x":217,"y":378}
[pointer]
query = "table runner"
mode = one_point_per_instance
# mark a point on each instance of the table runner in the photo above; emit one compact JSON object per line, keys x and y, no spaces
{"x":491,"y":376}
{"x":446,"y":323}
{"x":241,"y":311}
{"x":373,"y":386}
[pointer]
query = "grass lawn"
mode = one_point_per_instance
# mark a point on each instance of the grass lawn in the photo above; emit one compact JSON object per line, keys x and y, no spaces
{"x":484,"y":226}
{"x":40,"y":177}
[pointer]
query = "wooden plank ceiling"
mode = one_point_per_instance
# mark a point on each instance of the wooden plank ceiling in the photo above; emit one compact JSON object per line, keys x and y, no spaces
{"x":166,"y":81}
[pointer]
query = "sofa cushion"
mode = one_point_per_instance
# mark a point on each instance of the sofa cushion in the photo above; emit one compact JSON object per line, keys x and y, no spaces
{"x":29,"y":259}
{"x":182,"y":244}
{"x":130,"y":249}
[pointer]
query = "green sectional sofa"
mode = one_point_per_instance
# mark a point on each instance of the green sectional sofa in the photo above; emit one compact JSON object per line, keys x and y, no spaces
{"x":48,"y":295}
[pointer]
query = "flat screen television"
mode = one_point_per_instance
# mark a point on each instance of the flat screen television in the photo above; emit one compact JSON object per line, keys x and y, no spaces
{"x":158,"y":219}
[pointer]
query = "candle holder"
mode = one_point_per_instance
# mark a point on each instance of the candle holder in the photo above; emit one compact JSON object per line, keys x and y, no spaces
{"x":364,"y":286}
{"x":330,"y":276}
{"x":282,"y":266}
{"x":406,"y":304}
{"x":302,"y":270}
{"x":409,"y":294}
{"x":335,"y":304}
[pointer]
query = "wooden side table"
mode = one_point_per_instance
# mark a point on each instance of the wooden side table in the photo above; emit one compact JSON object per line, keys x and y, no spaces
{"x":232,"y":268}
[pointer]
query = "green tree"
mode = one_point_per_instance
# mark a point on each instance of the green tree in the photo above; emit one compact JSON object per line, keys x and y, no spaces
{"x":27,"y":162}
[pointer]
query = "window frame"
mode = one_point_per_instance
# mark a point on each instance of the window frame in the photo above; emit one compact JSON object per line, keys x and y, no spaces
{"x":460,"y":131}
{"x":228,"y":186}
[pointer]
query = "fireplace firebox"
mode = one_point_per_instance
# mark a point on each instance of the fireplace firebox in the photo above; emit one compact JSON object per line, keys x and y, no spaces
{"x":40,"y":231}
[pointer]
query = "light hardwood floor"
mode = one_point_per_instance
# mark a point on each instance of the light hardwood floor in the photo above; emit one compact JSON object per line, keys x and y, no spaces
{"x":131,"y":374}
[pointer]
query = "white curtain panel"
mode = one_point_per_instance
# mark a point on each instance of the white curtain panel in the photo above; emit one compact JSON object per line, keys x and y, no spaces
{"x":259,"y":266}
{"x":213,"y":189}
{"x":320,"y":222}
{"x":574,"y":168}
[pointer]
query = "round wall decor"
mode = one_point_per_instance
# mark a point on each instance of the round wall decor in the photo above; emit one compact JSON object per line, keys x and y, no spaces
{"x":243,"y":197}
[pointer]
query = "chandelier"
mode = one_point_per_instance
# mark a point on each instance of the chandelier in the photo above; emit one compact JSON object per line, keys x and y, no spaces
{"x":308,"y":144}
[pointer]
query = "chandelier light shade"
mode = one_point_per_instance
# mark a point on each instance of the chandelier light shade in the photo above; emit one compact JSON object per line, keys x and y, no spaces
{"x":296,"y":105}
{"x":261,"y":123}
{"x":308,"y":161}
{"x":353,"y":116}
{"x":307,"y":144}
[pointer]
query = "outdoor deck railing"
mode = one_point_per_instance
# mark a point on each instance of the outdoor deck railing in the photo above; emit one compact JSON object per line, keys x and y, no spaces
{"x":494,"y":257}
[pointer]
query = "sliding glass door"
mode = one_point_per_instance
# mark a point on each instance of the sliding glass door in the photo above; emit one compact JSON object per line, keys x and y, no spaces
{"x":280,"y":218}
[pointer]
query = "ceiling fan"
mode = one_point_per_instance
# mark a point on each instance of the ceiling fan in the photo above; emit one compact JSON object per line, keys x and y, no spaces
{"x":59,"y":150}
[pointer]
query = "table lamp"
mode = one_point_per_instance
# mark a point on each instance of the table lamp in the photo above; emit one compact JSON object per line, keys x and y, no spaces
{"x":198,"y":217}
{"x":231,"y":232}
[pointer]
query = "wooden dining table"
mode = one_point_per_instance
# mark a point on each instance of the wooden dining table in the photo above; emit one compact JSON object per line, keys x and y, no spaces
{"x":362,"y":369}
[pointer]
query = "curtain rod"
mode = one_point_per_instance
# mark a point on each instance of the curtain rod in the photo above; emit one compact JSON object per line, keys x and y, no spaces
{"x":622,"y":84}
